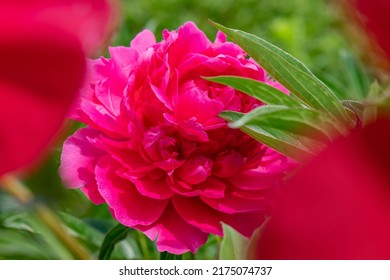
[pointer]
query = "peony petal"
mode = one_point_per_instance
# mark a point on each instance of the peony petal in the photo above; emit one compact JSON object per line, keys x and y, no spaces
{"x":235,"y":201}
{"x":228,"y":164}
{"x":111,"y":90}
{"x":195,"y":212}
{"x":143,"y":40}
{"x":154,"y":188}
{"x":194,"y":103}
{"x":212,"y":187}
{"x":175,"y":235}
{"x":122,"y":196}
{"x":245,"y":223}
{"x":254,"y":179}
{"x":194,"y":171}
{"x":188,"y":39}
{"x":78,"y":160}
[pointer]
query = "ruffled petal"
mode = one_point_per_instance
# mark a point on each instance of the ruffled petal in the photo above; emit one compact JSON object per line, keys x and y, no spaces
{"x":195,"y":212}
{"x":127,"y":204}
{"x":238,"y":201}
{"x":174,"y":235}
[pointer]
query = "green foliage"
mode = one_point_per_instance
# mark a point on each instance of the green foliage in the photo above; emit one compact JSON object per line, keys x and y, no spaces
{"x":115,"y":235}
{"x":296,"y":125}
{"x":261,"y":91}
{"x":290,"y":72}
{"x":286,"y":143}
{"x":168,"y":256}
{"x":234,"y":245}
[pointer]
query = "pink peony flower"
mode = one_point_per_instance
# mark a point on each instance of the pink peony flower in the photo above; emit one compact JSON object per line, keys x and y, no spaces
{"x":154,"y":148}
{"x":43,"y":44}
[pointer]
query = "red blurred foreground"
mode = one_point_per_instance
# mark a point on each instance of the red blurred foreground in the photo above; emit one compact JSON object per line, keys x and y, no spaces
{"x":43,"y":46}
{"x":338,"y":205}
{"x":374,"y":18}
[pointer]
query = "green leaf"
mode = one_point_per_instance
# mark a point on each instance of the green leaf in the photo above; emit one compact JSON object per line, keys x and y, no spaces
{"x":115,"y":235}
{"x":287,"y":144}
{"x":257,"y":89}
{"x":290,"y":72}
{"x":370,"y":112}
{"x":233,"y":246}
{"x":23,"y":245}
{"x":355,"y":107}
{"x":169,"y":256}
{"x":299,"y":121}
{"x":88,"y":235}
{"x":27,"y":222}
{"x":355,"y":76}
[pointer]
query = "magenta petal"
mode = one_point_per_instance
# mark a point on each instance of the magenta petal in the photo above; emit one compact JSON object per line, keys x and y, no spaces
{"x":128,"y":205}
{"x":154,"y":188}
{"x":175,"y":235}
{"x":181,"y":187}
{"x":195,"y":212}
{"x":212,"y":187}
{"x":245,"y":223}
{"x":236,"y":201}
{"x":254,"y":180}
{"x":228,"y":164}
{"x":78,"y":160}
{"x":194,"y":102}
{"x":193,"y":131}
{"x":188,"y":39}
{"x":124,"y":58}
{"x":194,"y":171}
{"x":143,"y":40}
{"x":110,"y":92}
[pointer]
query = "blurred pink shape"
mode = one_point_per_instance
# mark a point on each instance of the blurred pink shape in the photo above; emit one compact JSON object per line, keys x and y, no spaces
{"x":374,"y":17}
{"x":337,"y":206}
{"x":43,"y":46}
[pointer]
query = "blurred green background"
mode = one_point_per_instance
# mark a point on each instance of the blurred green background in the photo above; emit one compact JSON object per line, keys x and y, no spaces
{"x":312,"y":31}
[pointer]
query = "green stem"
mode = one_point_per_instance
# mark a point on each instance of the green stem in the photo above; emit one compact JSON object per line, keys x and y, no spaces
{"x":22,"y":194}
{"x":143,"y":245}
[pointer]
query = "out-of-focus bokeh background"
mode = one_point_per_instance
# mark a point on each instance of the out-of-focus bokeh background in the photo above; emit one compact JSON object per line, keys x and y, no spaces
{"x":313,"y":31}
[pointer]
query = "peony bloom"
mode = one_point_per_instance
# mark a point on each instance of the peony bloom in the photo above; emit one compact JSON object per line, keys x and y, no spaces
{"x":43,"y":45}
{"x":337,"y":206}
{"x":154,"y":148}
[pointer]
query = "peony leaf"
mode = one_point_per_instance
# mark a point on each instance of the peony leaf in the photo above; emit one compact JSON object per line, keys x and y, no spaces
{"x":234,"y":245}
{"x":258,"y":90}
{"x":115,"y":235}
{"x":18,"y":244}
{"x":290,"y":145}
{"x":88,"y":235}
{"x":37,"y":234}
{"x":290,"y":72}
{"x":300,"y":121}
{"x":354,"y":76}
{"x":370,"y":111}
{"x":356,"y":108}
